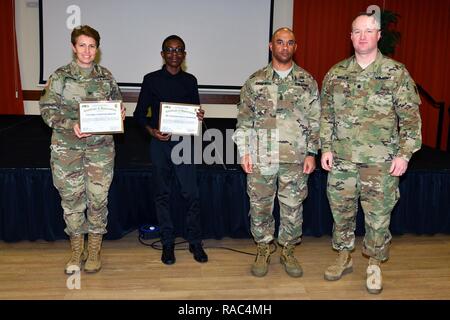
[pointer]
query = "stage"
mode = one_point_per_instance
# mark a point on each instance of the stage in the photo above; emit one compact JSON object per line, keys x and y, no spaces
{"x":30,"y":206}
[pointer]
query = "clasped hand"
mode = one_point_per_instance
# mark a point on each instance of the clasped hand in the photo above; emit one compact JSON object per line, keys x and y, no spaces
{"x":77,"y":131}
{"x":166,"y":136}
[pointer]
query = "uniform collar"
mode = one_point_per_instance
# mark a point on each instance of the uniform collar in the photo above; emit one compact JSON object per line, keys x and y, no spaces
{"x":75,"y":70}
{"x":373,"y":67}
{"x":271,"y":74}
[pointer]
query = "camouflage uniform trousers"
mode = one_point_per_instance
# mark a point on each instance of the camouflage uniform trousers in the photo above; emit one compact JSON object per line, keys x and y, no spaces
{"x":82,"y":173}
{"x":292,"y":190}
{"x":378,"y":192}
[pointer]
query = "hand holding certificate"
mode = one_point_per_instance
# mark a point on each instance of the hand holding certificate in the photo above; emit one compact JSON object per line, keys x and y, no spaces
{"x":178,"y":118}
{"x":101,"y":117}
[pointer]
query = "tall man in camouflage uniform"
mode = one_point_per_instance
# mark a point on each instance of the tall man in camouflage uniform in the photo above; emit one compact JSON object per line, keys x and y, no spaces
{"x":365,"y":99}
{"x":277,"y":136}
{"x":82,"y":164}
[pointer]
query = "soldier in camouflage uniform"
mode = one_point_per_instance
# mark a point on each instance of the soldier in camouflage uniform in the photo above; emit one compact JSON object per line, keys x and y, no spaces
{"x":82,"y":164}
{"x":277,"y":135}
{"x":365,"y":99}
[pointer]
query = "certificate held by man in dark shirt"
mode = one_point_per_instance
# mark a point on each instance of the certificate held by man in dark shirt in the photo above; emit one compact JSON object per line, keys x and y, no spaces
{"x":179,"y":118}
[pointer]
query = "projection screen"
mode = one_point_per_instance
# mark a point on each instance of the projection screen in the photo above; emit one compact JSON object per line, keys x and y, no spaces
{"x":226,"y":40}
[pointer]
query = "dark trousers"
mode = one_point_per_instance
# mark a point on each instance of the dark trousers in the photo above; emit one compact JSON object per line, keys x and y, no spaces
{"x":163,"y":172}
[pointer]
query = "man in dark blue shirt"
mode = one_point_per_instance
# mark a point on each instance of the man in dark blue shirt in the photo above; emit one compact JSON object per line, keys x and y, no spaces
{"x":171,"y":84}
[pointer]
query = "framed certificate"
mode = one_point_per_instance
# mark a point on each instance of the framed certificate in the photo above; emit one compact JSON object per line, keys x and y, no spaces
{"x":101,"y":117}
{"x":179,"y":118}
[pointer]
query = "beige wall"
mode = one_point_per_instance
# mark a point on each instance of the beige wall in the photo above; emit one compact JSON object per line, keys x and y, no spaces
{"x":27,"y":28}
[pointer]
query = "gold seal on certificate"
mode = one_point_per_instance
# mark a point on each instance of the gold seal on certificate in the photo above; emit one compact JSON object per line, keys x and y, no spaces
{"x":101,"y":117}
{"x":179,"y":118}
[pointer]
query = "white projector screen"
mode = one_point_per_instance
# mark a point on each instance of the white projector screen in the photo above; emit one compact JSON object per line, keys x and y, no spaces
{"x":226,"y":40}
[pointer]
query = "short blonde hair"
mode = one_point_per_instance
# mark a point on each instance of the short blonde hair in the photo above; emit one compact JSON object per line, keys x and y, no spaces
{"x":377,"y":23}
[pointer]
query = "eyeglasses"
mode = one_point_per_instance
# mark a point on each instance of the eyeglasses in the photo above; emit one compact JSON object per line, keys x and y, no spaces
{"x":174,"y":50}
{"x":358,"y":32}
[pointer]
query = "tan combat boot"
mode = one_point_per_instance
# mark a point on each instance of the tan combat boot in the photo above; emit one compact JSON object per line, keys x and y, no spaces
{"x":93,"y":263}
{"x":343,"y":265}
{"x":374,"y":281}
{"x":78,"y":254}
{"x":261,"y":264}
{"x":289,"y":261}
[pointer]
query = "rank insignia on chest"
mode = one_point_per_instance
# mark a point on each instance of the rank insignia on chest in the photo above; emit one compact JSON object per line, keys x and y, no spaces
{"x":263,"y":83}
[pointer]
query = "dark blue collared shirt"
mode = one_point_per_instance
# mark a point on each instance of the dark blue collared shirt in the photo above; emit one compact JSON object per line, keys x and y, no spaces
{"x":162,"y":86}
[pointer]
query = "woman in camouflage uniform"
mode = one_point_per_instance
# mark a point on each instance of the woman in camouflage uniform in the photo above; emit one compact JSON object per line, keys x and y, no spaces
{"x":82,"y":164}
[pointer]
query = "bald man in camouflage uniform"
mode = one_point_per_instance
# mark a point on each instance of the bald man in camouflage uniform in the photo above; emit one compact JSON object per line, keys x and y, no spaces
{"x":277,"y":136}
{"x":82,"y":164}
{"x":365,"y":99}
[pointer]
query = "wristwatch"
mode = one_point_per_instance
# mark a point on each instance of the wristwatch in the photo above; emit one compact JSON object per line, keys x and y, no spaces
{"x":310,"y":154}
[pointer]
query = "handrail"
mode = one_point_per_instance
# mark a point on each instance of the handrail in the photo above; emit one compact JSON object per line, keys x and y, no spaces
{"x":438,"y":105}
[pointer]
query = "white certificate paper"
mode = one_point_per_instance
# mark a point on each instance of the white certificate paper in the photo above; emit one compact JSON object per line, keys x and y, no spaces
{"x":179,"y":118}
{"x":101,"y":117}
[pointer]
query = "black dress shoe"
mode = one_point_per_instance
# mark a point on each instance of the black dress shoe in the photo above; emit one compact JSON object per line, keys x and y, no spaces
{"x":168,"y":254}
{"x":198,"y":252}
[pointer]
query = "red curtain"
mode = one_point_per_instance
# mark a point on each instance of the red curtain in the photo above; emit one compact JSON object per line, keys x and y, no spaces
{"x":10,"y":86}
{"x":322,"y":28}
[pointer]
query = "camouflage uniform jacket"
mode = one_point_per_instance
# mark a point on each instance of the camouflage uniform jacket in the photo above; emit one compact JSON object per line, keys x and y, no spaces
{"x":370,"y":115}
{"x":66,"y":88}
{"x":288,"y":106}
